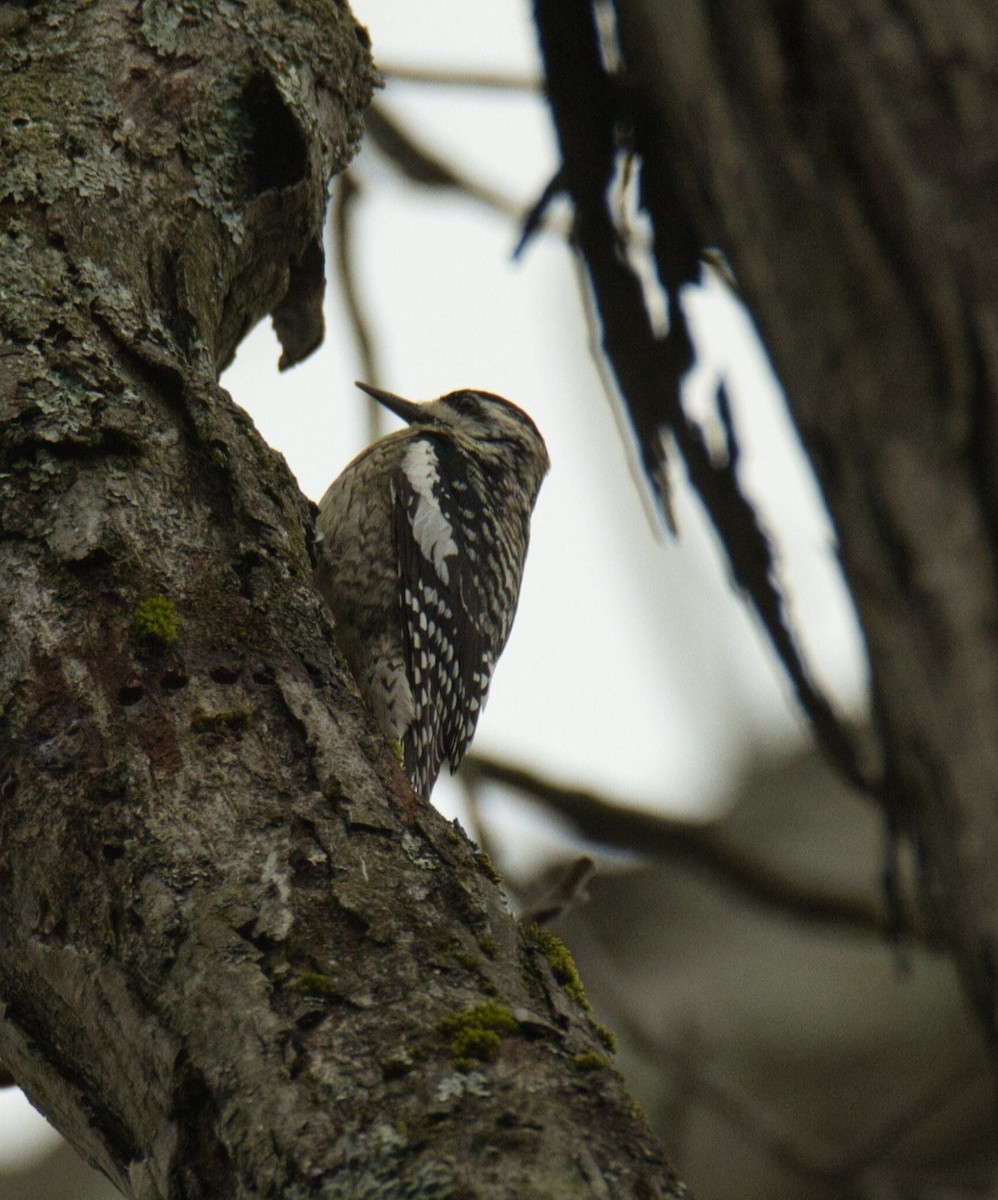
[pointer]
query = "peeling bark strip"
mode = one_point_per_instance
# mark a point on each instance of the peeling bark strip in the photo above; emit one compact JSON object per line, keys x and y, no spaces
{"x":649,"y":370}
{"x":237,"y":958}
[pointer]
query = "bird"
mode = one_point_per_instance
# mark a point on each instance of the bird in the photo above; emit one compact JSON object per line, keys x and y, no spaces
{"x":420,"y":548}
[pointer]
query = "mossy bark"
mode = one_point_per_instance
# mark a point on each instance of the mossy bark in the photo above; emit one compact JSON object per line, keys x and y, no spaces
{"x":229,"y":934}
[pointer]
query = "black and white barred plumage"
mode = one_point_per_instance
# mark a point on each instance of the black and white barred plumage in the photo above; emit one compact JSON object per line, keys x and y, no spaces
{"x":421,"y":543}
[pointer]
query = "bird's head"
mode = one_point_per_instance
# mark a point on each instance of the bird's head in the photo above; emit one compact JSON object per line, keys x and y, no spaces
{"x":485,"y":425}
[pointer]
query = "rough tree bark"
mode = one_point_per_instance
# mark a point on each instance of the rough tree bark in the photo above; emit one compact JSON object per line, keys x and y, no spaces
{"x":844,"y":155}
{"x":237,"y":957}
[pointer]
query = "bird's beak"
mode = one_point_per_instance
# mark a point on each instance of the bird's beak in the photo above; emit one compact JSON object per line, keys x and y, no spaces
{"x":408,"y":410}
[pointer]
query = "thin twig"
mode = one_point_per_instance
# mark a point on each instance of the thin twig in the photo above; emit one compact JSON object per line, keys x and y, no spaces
{"x":568,"y":891}
{"x":506,"y":81}
{"x":346,"y":194}
{"x":425,"y":167}
{"x":625,"y":427}
{"x":419,"y":164}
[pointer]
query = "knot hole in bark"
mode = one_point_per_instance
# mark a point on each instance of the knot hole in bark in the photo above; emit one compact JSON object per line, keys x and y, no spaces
{"x":280,"y":152}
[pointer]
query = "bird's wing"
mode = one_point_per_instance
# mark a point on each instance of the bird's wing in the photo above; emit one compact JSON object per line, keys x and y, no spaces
{"x":449,"y":659}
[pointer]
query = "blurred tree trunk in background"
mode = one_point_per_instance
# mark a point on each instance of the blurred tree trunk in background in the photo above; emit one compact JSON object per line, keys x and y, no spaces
{"x":843,"y":154}
{"x":238,"y":958}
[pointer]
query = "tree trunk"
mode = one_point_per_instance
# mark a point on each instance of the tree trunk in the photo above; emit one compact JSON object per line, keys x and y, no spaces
{"x":843,"y":156}
{"x":237,"y":956}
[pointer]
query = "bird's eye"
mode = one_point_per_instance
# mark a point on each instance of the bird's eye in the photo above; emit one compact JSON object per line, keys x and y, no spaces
{"x":466,"y":403}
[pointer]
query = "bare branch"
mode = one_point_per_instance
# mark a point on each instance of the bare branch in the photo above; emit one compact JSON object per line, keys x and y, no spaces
{"x":693,"y":845}
{"x":419,"y":164}
{"x":568,"y":891}
{"x":425,"y":167}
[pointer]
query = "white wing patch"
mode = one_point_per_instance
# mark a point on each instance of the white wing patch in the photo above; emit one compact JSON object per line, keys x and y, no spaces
{"x":434,"y":534}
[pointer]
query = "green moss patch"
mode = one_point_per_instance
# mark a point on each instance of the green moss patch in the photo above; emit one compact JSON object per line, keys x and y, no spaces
{"x":589,"y":1060}
{"x":155,"y":619}
{"x":562,"y":964}
{"x":476,"y":1035}
{"x":311,"y":983}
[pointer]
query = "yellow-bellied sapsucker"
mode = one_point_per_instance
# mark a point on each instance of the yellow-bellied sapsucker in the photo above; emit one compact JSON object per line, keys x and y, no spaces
{"x":421,"y":543}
